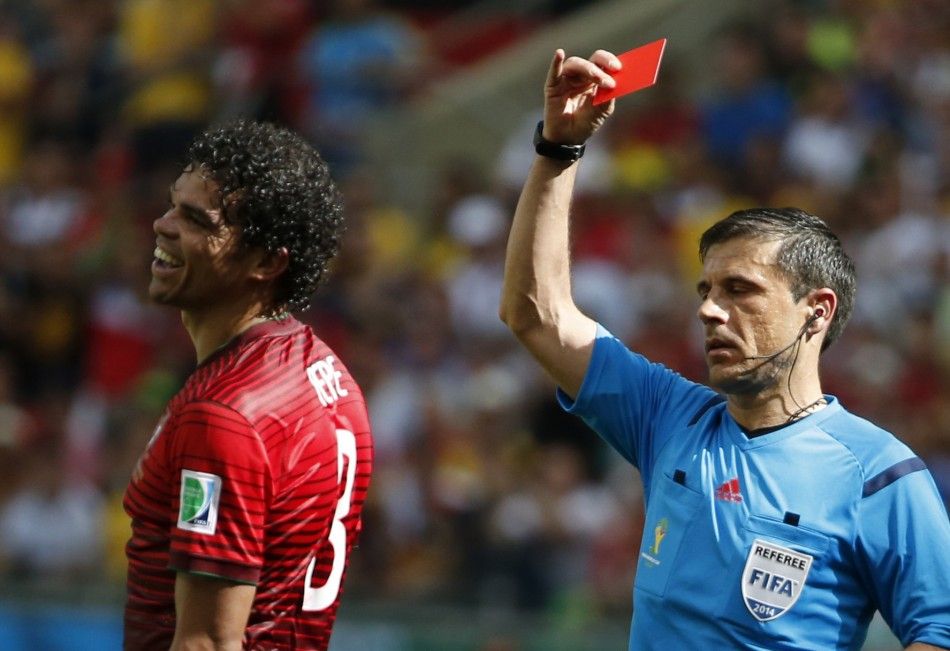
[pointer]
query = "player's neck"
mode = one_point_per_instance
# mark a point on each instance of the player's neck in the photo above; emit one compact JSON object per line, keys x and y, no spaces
{"x":212,"y":329}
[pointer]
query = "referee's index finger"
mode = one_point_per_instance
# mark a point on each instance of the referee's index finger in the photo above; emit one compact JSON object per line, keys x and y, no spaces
{"x":557,"y":62}
{"x":576,"y":66}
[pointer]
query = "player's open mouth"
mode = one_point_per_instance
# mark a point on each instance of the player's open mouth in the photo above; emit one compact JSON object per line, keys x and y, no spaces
{"x":165,"y":260}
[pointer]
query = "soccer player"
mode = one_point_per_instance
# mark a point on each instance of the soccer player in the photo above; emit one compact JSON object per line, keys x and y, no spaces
{"x":247,"y":499}
{"x":775,"y":519}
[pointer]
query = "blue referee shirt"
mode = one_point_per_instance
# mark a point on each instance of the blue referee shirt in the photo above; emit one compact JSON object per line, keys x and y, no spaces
{"x":788,"y":540}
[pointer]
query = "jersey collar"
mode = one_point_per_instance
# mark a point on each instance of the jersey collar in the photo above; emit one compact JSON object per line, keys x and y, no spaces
{"x":269,"y":328}
{"x":802,"y":424}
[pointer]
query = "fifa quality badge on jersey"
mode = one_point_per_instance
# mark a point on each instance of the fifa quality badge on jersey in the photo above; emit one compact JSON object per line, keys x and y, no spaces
{"x":198,"y":508}
{"x":773,"y":579}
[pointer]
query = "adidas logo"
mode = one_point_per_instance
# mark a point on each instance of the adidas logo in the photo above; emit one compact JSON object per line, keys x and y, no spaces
{"x":729,"y":491}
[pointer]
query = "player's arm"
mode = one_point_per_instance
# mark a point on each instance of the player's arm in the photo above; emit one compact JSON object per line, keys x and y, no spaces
{"x":536,"y":301}
{"x":210,"y":613}
{"x":223,"y":467}
{"x":920,"y":646}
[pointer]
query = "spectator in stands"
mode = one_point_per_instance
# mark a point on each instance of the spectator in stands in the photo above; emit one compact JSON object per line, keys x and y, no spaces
{"x":748,"y":105}
{"x":359,"y":60}
{"x":165,"y":51}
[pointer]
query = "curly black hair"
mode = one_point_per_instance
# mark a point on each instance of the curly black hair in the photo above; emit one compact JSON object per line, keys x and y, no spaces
{"x":276,"y":187}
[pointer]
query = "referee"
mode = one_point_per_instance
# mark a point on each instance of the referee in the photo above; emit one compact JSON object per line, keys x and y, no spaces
{"x":775,"y":518}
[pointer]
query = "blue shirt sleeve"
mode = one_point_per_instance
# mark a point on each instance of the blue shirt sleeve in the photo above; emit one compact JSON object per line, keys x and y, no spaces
{"x":903,"y":545}
{"x":633,"y":404}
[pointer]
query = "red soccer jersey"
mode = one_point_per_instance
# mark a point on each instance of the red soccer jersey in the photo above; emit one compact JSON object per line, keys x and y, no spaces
{"x":257,"y":473}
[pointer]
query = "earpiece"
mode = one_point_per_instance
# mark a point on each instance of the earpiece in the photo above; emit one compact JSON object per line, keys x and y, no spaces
{"x":817,"y":314}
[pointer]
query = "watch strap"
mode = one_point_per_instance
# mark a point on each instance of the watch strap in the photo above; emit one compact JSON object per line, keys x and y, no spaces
{"x":554,"y":150}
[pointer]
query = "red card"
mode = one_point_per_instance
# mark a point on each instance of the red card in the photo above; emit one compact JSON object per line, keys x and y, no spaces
{"x":641,"y":65}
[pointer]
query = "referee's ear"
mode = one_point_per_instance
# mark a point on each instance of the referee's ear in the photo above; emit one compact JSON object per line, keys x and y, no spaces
{"x":269,"y":265}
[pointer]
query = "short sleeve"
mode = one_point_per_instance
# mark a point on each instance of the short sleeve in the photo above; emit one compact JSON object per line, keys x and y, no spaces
{"x":903,"y":542}
{"x":634,"y":404}
{"x":223,"y":493}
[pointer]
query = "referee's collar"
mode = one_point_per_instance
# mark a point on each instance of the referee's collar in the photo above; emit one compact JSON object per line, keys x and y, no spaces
{"x":780,"y":434}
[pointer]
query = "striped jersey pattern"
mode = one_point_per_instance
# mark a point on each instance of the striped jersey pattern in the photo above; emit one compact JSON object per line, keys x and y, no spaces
{"x":256,"y":473}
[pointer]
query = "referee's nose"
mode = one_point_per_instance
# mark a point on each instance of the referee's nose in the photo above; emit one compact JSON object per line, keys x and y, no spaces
{"x":711,"y":313}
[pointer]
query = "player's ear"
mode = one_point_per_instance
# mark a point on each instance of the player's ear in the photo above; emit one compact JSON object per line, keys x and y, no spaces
{"x":269,"y":265}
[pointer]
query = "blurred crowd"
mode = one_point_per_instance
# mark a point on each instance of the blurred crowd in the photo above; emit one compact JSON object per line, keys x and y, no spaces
{"x":484,"y":493}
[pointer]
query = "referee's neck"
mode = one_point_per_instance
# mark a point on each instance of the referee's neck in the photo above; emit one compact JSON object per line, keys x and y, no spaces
{"x":780,"y":407}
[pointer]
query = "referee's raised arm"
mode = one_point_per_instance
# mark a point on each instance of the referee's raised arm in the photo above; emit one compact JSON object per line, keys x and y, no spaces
{"x":536,"y":301}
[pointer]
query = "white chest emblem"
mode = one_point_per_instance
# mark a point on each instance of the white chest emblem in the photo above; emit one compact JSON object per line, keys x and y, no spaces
{"x":773,"y":579}
{"x":158,"y":429}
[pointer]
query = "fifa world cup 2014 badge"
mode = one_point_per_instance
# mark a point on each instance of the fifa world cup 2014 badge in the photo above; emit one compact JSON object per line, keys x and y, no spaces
{"x":659,"y":533}
{"x":198,"y":506}
{"x":773,"y":579}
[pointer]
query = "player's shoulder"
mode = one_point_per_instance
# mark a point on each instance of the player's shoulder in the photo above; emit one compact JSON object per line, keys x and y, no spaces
{"x":268,"y":361}
{"x":875,"y":449}
{"x":282,"y":370}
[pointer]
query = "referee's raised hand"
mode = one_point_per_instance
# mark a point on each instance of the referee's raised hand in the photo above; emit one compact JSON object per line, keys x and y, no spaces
{"x":570,"y":117}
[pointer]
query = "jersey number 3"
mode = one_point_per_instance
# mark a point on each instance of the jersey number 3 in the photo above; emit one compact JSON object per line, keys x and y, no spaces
{"x":324,"y":596}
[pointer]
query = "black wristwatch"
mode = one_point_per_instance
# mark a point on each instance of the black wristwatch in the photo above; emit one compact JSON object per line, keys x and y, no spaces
{"x":550,"y":149}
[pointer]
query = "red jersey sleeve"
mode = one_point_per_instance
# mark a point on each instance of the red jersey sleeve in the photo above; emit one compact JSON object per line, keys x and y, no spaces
{"x":223,"y":493}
